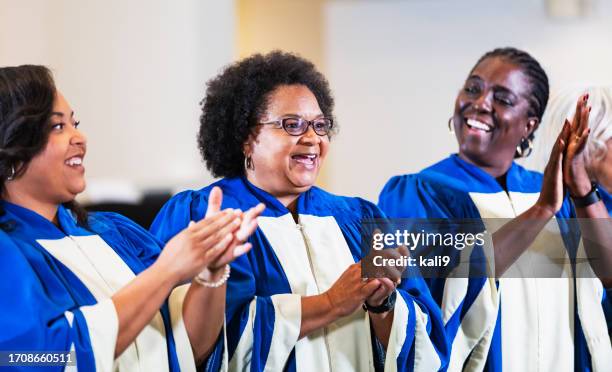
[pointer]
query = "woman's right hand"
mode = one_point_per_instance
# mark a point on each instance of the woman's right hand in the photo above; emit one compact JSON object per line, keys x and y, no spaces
{"x":184,"y":256}
{"x":552,"y":193}
{"x":344,"y":297}
{"x":194,"y":248}
{"x":575,"y":175}
{"x":350,"y":291}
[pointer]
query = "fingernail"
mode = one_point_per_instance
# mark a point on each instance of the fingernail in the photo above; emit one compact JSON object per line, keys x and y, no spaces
{"x":241,"y":249}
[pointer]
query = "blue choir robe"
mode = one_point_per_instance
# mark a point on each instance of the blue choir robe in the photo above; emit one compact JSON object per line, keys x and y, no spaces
{"x":55,"y":294}
{"x":513,"y":324}
{"x":290,"y":260}
{"x":607,"y":199}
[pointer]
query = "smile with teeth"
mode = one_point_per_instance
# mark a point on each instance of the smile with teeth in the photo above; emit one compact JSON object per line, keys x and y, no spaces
{"x":305,"y":159}
{"x":74,"y":161}
{"x":475,"y":124}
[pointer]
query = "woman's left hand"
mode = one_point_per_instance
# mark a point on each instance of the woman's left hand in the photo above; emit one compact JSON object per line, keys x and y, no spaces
{"x":386,"y":288}
{"x":389,"y":277}
{"x":239,"y":246}
{"x":575,"y":175}
{"x":551,"y":195}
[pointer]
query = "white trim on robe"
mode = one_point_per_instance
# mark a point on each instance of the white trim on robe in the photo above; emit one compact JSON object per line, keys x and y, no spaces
{"x":288,"y":316}
{"x":594,"y":326}
{"x":241,"y":360}
{"x":103,"y":272}
{"x":313,"y":258}
{"x":184,"y":351}
{"x":538,"y":317}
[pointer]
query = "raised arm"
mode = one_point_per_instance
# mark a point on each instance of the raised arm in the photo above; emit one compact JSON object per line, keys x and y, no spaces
{"x":182,"y":258}
{"x":594,"y":220}
{"x":512,"y":239}
{"x":204,"y":306}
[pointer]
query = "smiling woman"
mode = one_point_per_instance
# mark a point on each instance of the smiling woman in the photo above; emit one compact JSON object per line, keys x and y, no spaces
{"x":491,"y":140}
{"x":514,"y":92}
{"x":57,"y":173}
{"x":505,"y":323}
{"x":299,"y":155}
{"x":295,"y":300}
{"x":97,"y":285}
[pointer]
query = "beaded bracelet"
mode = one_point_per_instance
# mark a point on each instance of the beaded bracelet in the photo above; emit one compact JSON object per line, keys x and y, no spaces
{"x":201,"y":281}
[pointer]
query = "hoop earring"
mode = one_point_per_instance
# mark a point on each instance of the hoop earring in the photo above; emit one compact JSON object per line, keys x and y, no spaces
{"x":451,"y":128}
{"x":524,"y":148}
{"x":248,"y":163}
{"x":12,"y":175}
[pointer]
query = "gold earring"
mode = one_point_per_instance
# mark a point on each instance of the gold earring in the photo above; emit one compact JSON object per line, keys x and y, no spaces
{"x":12,"y":175}
{"x":248,"y":163}
{"x":524,"y":148}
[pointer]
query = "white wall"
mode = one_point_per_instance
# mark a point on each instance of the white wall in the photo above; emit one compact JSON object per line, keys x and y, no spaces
{"x":396,"y":66}
{"x":134,"y":72}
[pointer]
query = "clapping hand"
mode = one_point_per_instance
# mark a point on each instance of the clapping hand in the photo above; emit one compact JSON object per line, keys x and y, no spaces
{"x":237,"y":244}
{"x":206,"y":246}
{"x":552,"y":194}
{"x":387,"y":276}
{"x":575,"y":175}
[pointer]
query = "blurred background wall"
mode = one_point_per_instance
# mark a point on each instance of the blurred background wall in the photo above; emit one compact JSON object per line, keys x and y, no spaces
{"x":135,"y":71}
{"x":396,"y":68}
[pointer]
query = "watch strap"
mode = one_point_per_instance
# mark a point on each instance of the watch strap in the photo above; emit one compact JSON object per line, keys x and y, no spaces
{"x":387,"y":305}
{"x":591,"y":198}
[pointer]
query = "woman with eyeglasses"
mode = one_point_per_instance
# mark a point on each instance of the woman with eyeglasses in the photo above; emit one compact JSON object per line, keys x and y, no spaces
{"x":295,"y":300}
{"x":535,"y":321}
{"x":95,"y":291}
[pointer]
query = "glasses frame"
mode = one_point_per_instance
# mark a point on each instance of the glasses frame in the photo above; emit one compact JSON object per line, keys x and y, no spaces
{"x":280,"y":122}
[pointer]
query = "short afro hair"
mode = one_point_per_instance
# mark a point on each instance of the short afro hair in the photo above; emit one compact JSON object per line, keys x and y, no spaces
{"x":237,"y":98}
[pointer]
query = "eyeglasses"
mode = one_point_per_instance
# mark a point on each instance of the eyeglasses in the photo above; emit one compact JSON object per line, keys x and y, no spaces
{"x":296,"y":126}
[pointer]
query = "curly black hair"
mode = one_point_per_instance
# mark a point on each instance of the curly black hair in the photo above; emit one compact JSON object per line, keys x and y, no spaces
{"x":237,"y":98}
{"x":27,"y":94}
